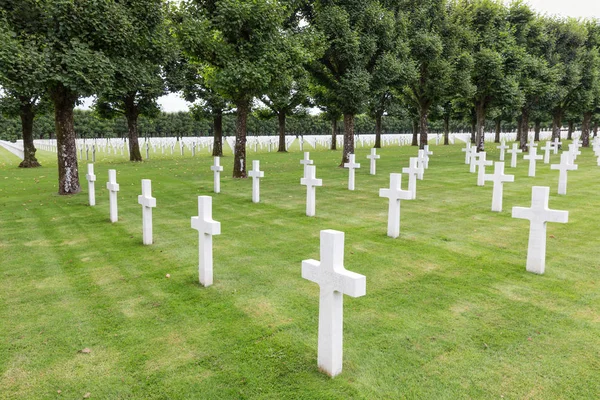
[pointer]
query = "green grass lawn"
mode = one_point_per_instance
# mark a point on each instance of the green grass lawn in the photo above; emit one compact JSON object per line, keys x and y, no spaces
{"x":450,"y":311}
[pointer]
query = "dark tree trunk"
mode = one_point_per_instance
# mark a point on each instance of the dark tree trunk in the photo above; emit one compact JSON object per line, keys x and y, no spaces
{"x":585,"y":129}
{"x":498,"y":130}
{"x":557,"y":115}
{"x":281,"y":120}
{"x":415,"y":138}
{"x":519,"y":130}
{"x":217,"y":133}
{"x":68,"y":171}
{"x":348,"y":137}
{"x":424,"y":111}
{"x":132,"y":113}
{"x":27,"y":115}
{"x":378,"y":130}
{"x":595,"y":128}
{"x":239,"y":162}
{"x":473,"y":131}
{"x":538,"y":128}
{"x":446,"y":130}
{"x":571,"y":129}
{"x":334,"y":134}
{"x":524,"y":129}
{"x":480,"y":138}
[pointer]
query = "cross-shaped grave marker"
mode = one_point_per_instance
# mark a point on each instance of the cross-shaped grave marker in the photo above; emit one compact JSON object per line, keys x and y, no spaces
{"x":426,"y":153}
{"x":311,"y":182}
{"x":256,"y":174}
{"x":148,"y":203}
{"x":556,"y":145}
{"x":351,"y":165}
{"x":473,"y":160}
{"x":306,"y":161}
{"x":113,"y":188}
{"x":413,"y":171}
{"x":421,"y":164}
{"x":373,"y":157}
{"x":395,"y":194}
{"x":206,"y":228}
{"x":547,"y":148}
{"x":481,"y":164}
{"x":334,"y":282}
{"x":503,"y":147}
{"x":513,"y":159}
{"x":91,"y":178}
{"x":467,"y":151}
{"x":564,"y":166}
{"x":574,"y":152}
{"x":532,"y":157}
{"x":217,"y":168}
{"x":538,"y":215}
{"x":498,"y":178}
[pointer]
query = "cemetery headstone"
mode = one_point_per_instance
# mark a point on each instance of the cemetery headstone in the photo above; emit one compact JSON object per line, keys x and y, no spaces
{"x":481,"y":164}
{"x":413,"y":171}
{"x":148,"y":203}
{"x":395,"y":194}
{"x":532,"y":157}
{"x":311,"y":182}
{"x":256,"y":174}
{"x":351,"y":165}
{"x":206,"y":227}
{"x":498,"y":178}
{"x":306,"y":161}
{"x":373,"y":157}
{"x":113,"y":189}
{"x":514,"y":152}
{"x":564,"y":166}
{"x":503,"y":147}
{"x":91,"y":178}
{"x":216,"y":168}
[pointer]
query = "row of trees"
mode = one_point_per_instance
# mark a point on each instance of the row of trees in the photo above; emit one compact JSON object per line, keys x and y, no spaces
{"x":474,"y":60}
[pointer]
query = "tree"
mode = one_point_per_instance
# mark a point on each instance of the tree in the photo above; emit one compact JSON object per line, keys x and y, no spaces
{"x":360,"y":38}
{"x":137,"y":81}
{"x":22,"y":67}
{"x":242,"y":48}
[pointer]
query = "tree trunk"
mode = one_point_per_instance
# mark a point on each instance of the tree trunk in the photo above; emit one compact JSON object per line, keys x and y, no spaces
{"x":423,"y":112}
{"x":217,"y":133}
{"x":27,"y":115}
{"x":239,"y":162}
{"x":334,"y":134}
{"x":480,"y":137}
{"x":68,"y":172}
{"x":132,"y":113}
{"x":415,"y":138}
{"x":585,"y":129}
{"x":281,"y":120}
{"x":348,"y":137}
{"x":498,"y":130}
{"x":446,"y":130}
{"x":538,"y":128}
{"x":473,"y":125}
{"x":570,"y":131}
{"x":595,"y":128}
{"x":378,"y":130}
{"x":524,"y":129}
{"x":519,"y":130}
{"x":556,"y":123}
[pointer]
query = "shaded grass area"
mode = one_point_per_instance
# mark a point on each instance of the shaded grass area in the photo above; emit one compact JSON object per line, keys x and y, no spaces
{"x":449,"y":313}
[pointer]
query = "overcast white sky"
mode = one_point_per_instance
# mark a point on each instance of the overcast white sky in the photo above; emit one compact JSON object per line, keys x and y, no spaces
{"x":568,"y":8}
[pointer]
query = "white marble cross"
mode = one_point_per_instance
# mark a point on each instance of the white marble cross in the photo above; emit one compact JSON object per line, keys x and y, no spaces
{"x":421,"y":164}
{"x":531,"y":144}
{"x":555,"y":145}
{"x":547,"y":148}
{"x":91,"y":178}
{"x":148,"y":203}
{"x":256,"y":174}
{"x":306,"y":161}
{"x":426,"y":153}
{"x":498,"y":178}
{"x":413,"y":171}
{"x":373,"y":157}
{"x":502,"y":149}
{"x":217,"y":168}
{"x":206,"y":228}
{"x":334,"y":282}
{"x":564,"y":166}
{"x":481,"y":164}
{"x":467,"y":151}
{"x":538,"y":215}
{"x":473,"y":160}
{"x":532,"y":157}
{"x":310,"y":181}
{"x":351,"y":165}
{"x":513,"y":159}
{"x":395,"y":194}
{"x":113,"y":188}
{"x":574,"y":152}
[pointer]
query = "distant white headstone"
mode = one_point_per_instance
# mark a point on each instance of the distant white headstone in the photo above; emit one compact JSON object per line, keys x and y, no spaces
{"x":503,"y":147}
{"x":547,"y":148}
{"x":148,"y":203}
{"x":216,"y":168}
{"x":413,"y":171}
{"x":351,"y":165}
{"x":91,"y":178}
{"x":426,"y":153}
{"x":206,"y":228}
{"x":481,"y":164}
{"x":514,"y":152}
{"x":256,"y":174}
{"x":311,"y":182}
{"x":395,"y":194}
{"x":113,"y":188}
{"x":498,"y":178}
{"x":538,"y":215}
{"x":334,"y":281}
{"x":563,"y":167}
{"x":473,"y":160}
{"x":421,"y":164}
{"x":373,"y":157}
{"x":556,"y":145}
{"x":532,"y":157}
{"x":306,"y":161}
{"x":467,"y":151}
